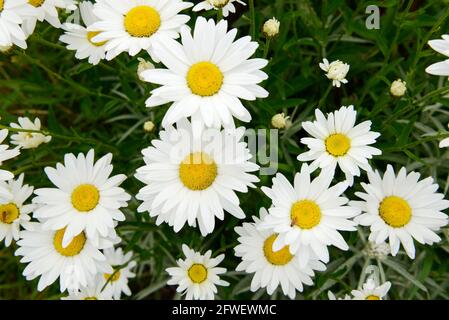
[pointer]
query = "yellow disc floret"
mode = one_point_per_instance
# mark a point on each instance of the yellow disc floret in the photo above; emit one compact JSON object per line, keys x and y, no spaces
{"x":372,"y":297}
{"x":197,"y":171}
{"x":395,"y":211}
{"x":112,"y":277}
{"x":204,"y":79}
{"x":8,"y":213}
{"x":92,"y":34}
{"x":305,"y":214}
{"x":197,"y":273}
{"x":277,"y":258}
{"x":1,"y":5}
{"x":74,"y":247}
{"x":337,"y":144}
{"x":36,"y":3}
{"x":85,"y":197}
{"x":142,"y":21}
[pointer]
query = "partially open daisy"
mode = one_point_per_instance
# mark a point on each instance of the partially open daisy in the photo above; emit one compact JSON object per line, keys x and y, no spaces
{"x":6,"y":154}
{"x":46,"y":10}
{"x":91,"y":292}
{"x":401,"y":208}
{"x":86,"y":198}
{"x":332,"y":296}
{"x":272,"y":269}
{"x":338,"y":141}
{"x":117,"y":281}
{"x":78,"y":38}
{"x":308,"y":215}
{"x":12,"y":13}
{"x":226,"y":6}
{"x":197,"y":276}
{"x":134,"y":25}
{"x":28,"y":140}
{"x":207,"y":76}
{"x":203,"y":172}
{"x":75,"y":264}
{"x":13,"y":211}
{"x":371,"y":291}
{"x":335,"y":71}
{"x":440,"y":46}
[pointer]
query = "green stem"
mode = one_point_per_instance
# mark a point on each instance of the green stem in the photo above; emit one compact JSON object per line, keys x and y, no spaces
{"x":324,"y":97}
{"x":267,"y":48}
{"x":219,"y":14}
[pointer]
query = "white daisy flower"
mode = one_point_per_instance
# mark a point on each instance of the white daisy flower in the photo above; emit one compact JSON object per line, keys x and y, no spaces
{"x":117,"y":281}
{"x":6,"y":154}
{"x":371,"y":291}
{"x":440,"y":46}
{"x":92,"y":292}
{"x":227,"y":6}
{"x":401,"y":208}
{"x":86,"y":198}
{"x":335,"y":71}
{"x":444,"y":143}
{"x":207,"y":76}
{"x":13,"y":212}
{"x":332,"y":296}
{"x":134,"y":25}
{"x":46,"y":10}
{"x":309,"y":214}
{"x":272,"y":269}
{"x":203,"y":172}
{"x":78,"y":38}
{"x":197,"y":276}
{"x":28,"y":140}
{"x":12,"y":13}
{"x":75,"y":264}
{"x":336,"y":140}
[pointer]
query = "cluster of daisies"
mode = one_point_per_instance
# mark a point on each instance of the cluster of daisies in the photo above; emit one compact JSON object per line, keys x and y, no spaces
{"x":194,"y":171}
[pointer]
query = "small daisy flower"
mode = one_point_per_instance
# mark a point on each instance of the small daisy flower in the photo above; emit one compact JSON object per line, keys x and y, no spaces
{"x":227,"y":6}
{"x":13,"y":212}
{"x":440,"y":46}
{"x":308,"y":215}
{"x":92,"y":292}
{"x":148,"y":126}
{"x":85,"y":197}
{"x":271,"y":28}
{"x":12,"y":13}
{"x":272,"y":269}
{"x":335,"y":71}
{"x":79,"y":39}
{"x":135,"y":25}
{"x":75,"y":264}
{"x":332,"y":296}
{"x":280,"y":121}
{"x":207,"y":76}
{"x":6,"y":154}
{"x":203,"y":172}
{"x":28,"y":140}
{"x":401,"y":208}
{"x":197,"y":276}
{"x":46,"y":10}
{"x":117,"y":281}
{"x":142,"y":66}
{"x":377,"y":250}
{"x":371,"y":291}
{"x":336,"y":140}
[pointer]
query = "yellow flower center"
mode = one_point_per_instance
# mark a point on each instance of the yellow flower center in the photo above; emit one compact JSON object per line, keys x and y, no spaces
{"x":142,"y":21}
{"x":395,"y":211}
{"x":1,"y":5}
{"x":372,"y":297}
{"x":197,"y":171}
{"x":278,"y":258}
{"x":8,"y":213}
{"x":197,"y":273}
{"x":337,"y":144}
{"x":90,"y":298}
{"x":204,"y":79}
{"x":85,"y":197}
{"x":305,"y":214}
{"x":75,"y":246}
{"x":36,"y":3}
{"x":112,"y":278}
{"x":91,"y":34}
